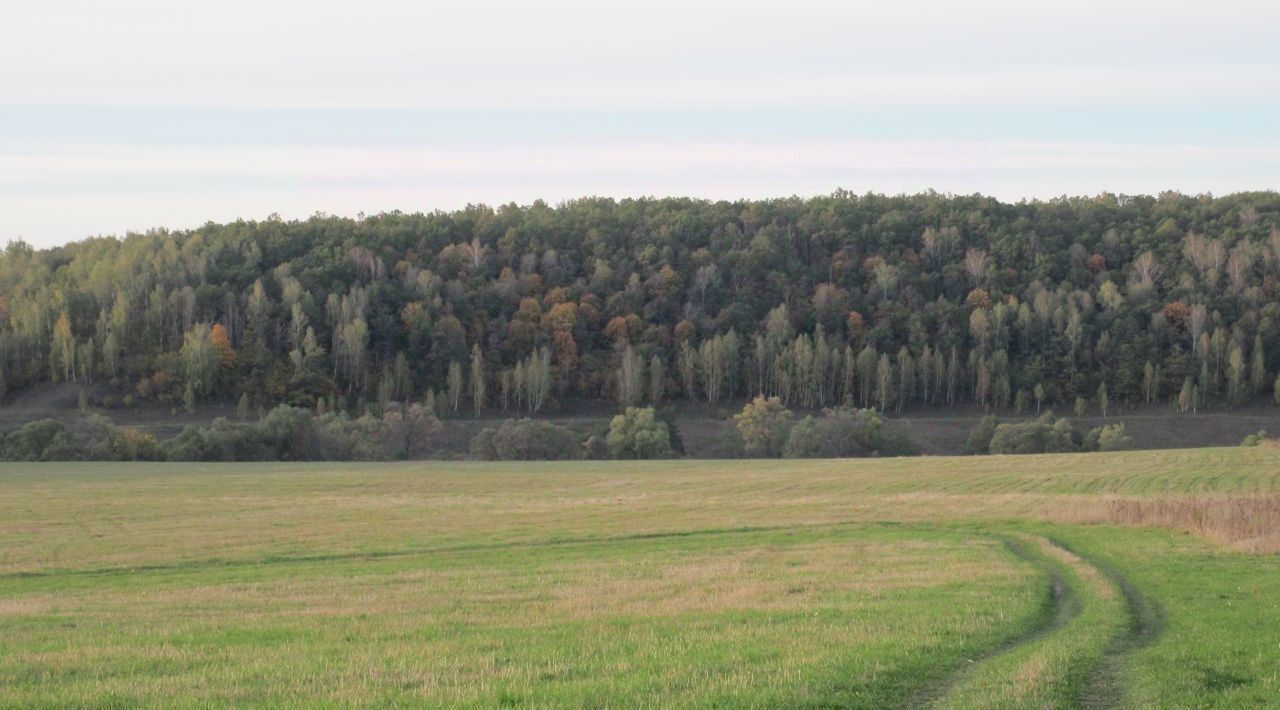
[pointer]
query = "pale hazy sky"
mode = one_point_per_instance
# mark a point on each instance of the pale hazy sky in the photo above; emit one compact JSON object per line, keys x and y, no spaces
{"x":134,"y":114}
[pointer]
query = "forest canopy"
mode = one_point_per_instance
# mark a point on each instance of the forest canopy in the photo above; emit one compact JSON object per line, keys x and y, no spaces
{"x":843,"y":300}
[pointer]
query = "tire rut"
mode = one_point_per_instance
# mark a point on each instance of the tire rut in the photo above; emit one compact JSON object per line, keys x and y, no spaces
{"x":1104,"y":685}
{"x":372,"y":555}
{"x":1064,"y":608}
{"x":1104,"y":688}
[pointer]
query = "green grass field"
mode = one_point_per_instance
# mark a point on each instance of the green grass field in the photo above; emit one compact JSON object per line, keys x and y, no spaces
{"x":1141,"y":579}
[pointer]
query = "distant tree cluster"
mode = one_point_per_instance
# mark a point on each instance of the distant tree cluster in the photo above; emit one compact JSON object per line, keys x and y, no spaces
{"x":295,"y":434}
{"x":767,"y":430}
{"x":637,"y":433}
{"x":1046,"y":434}
{"x":526,"y":440}
{"x":868,"y":301}
{"x":93,"y":439}
{"x":284,"y":434}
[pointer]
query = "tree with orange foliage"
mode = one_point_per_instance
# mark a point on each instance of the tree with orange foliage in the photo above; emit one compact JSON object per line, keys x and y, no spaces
{"x":562,"y":316}
{"x":1177,"y":313}
{"x":618,"y":331}
{"x":529,"y":308}
{"x":978,"y":298}
{"x":565,"y":349}
{"x":856,"y":324}
{"x":221,"y":341}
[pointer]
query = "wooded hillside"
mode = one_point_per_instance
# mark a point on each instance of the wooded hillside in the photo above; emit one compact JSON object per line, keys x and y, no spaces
{"x":870,"y":300}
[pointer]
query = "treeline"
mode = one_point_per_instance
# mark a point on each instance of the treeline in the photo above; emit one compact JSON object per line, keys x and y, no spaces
{"x":845,"y":300}
{"x":764,"y":428}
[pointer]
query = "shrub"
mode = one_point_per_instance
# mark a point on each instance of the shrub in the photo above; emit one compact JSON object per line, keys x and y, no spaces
{"x":667,"y":416}
{"x":1041,"y":436}
{"x":42,"y":440}
{"x":1111,"y":437}
{"x":90,"y":438}
{"x":137,"y":446}
{"x":100,"y":440}
{"x":483,"y":447}
{"x":1114,"y":438}
{"x":294,"y":434}
{"x":638,"y":434}
{"x":979,"y":441}
{"x":191,"y":444}
{"x":764,"y":425}
{"x":596,"y":448}
{"x":526,"y":440}
{"x":410,"y":430}
{"x":845,"y":433}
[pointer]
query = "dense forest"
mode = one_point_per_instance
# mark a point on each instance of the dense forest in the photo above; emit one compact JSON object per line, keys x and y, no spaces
{"x":863,"y":300}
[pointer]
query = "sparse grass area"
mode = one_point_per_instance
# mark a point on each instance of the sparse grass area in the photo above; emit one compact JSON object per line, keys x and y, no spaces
{"x":759,"y":583}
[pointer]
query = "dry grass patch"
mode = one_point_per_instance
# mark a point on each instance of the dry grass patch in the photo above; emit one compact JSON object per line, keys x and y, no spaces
{"x":1248,"y":523}
{"x":30,"y":605}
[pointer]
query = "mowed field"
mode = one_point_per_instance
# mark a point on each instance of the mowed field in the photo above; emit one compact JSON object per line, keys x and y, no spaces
{"x":1138,"y":579}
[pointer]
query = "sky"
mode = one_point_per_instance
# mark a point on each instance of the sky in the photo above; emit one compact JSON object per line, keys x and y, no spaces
{"x":135,"y":114}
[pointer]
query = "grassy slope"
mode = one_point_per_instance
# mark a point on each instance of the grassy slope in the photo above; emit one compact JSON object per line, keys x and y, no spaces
{"x":715,"y":582}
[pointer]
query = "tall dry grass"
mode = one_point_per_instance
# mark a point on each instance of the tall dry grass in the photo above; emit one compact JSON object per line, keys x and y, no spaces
{"x":1250,"y":523}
